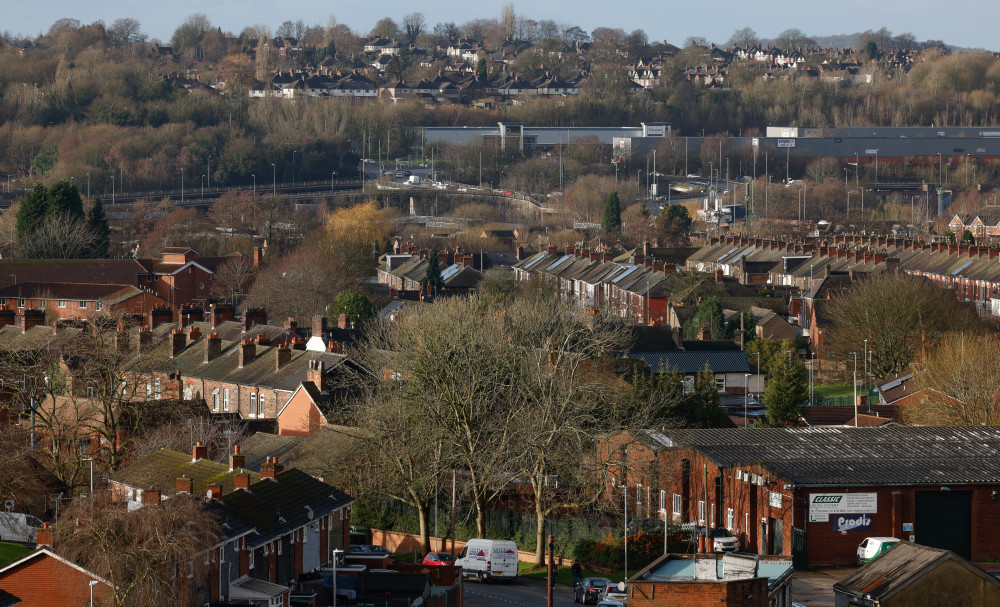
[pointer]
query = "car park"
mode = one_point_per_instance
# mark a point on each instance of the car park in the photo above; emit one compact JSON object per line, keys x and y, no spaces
{"x":590,"y":589}
{"x":872,"y":547}
{"x":439,"y":558}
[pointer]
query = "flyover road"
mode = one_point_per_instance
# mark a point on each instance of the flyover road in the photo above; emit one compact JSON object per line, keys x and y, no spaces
{"x":522,"y":593}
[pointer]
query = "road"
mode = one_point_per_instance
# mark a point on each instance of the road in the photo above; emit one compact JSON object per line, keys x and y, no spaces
{"x":522,"y":593}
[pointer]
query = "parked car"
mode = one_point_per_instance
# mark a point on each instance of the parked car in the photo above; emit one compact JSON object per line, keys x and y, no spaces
{"x":590,"y":589}
{"x":18,"y":527}
{"x":488,"y":560}
{"x":611,"y":604}
{"x":614,"y":593}
{"x":368,"y":550}
{"x":439,"y":558}
{"x":723,"y":540}
{"x":872,"y":547}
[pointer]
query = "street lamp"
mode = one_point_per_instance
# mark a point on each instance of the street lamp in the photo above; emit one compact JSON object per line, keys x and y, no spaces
{"x":112,"y":190}
{"x":865,"y":361}
{"x":746,"y":397}
{"x":92,"y":583}
{"x":293,"y":167}
{"x":333,"y":563}
{"x":274,"y":181}
{"x":88,"y":184}
{"x":625,"y":495}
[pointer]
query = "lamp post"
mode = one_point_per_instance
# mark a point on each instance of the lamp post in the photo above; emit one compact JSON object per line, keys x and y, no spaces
{"x":88,"y":185}
{"x":625,"y":495}
{"x":112,"y":190}
{"x":746,"y":398}
{"x":855,"y":389}
{"x":203,"y":187}
{"x":333,"y":563}
{"x":254,"y":184}
{"x":182,"y":185}
{"x":121,"y":175}
{"x":274,"y":181}
{"x":92,"y":583}
{"x":293,"y":166}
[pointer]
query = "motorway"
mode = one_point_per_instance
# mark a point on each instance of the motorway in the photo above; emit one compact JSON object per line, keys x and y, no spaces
{"x":522,"y":593}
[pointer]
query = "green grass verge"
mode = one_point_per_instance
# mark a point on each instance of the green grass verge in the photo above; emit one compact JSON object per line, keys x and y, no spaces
{"x":833,"y":391}
{"x":565,"y":576}
{"x":11,"y":552}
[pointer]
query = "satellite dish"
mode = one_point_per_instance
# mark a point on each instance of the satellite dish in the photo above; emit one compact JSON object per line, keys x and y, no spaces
{"x":621,"y":586}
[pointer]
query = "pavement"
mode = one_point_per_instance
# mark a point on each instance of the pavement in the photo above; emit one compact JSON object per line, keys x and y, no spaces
{"x":814,"y":588}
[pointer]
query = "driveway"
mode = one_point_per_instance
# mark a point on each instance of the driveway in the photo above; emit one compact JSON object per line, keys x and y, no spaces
{"x":814,"y":588}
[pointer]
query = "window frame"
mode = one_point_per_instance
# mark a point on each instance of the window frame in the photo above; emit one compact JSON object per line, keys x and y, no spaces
{"x":702,"y":511}
{"x":61,"y":303}
{"x":225,"y":400}
{"x":678,"y":504}
{"x":215,"y":399}
{"x":83,"y":304}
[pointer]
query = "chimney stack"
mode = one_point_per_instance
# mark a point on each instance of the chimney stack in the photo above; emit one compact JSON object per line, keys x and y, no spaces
{"x":237,"y":459}
{"x":344,"y":321}
{"x":200,"y":451}
{"x":150,"y":497}
{"x":213,"y":492}
{"x":177,"y":342}
{"x":43,"y":536}
{"x":317,"y":374}
{"x":159,"y":315}
{"x":185,"y":485}
{"x":291,"y":325}
{"x":270,"y":469}
{"x":190,"y":314}
{"x":221,"y":313}
{"x":145,"y":342}
{"x":248,"y":350}
{"x":254,"y":316}
{"x":319,"y":326}
{"x":241,"y":480}
{"x":7,"y":317}
{"x":213,"y":347}
{"x":282,"y":356}
{"x":31,"y":318}
{"x":258,"y":257}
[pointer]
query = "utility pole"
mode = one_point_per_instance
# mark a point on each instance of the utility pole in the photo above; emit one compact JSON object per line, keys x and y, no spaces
{"x":550,"y":578}
{"x":453,"y":484}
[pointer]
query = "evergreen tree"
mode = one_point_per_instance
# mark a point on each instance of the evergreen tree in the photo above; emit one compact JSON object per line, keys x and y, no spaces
{"x":64,"y":198}
{"x":481,"y":69}
{"x":785,"y":391}
{"x":330,"y":50}
{"x":703,"y":409}
{"x":98,"y":222}
{"x":612,"y":213}
{"x":33,"y":209}
{"x":433,"y":275}
{"x":350,"y":302}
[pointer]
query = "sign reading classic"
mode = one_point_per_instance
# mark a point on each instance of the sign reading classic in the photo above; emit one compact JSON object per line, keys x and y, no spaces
{"x":843,"y":503}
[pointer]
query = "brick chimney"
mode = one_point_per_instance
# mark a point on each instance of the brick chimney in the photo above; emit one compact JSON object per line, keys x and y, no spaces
{"x":185,"y":485}
{"x":7,"y":317}
{"x":150,"y":497}
{"x":241,"y":480}
{"x":194,"y":333}
{"x":298,"y":343}
{"x":607,"y":257}
{"x":291,"y":325}
{"x":705,"y":334}
{"x":551,"y":249}
{"x":271,"y":468}
{"x":319,"y":326}
{"x":520,"y":253}
{"x":334,"y":347}
{"x":213,"y":492}
{"x":31,"y":318}
{"x":646,"y":249}
{"x":258,"y":257}
{"x":177,"y":342}
{"x":282,"y":356}
{"x":190,"y":314}
{"x":254,"y":316}
{"x":221,"y":313}
{"x":199,"y":451}
{"x":317,"y":374}
{"x":159,"y":315}
{"x":344,"y":321}
{"x":237,"y":459}
{"x":144,"y":343}
{"x":248,"y":350}
{"x":213,"y":347}
{"x":43,"y":536}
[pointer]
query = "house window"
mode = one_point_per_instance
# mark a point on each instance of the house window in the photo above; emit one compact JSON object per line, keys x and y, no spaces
{"x":663,"y":501}
{"x":720,"y":384}
{"x":149,"y":388}
{"x":251,"y":559}
{"x":225,"y":399}
{"x":215,"y":398}
{"x":701,"y":511}
{"x":83,"y":304}
{"x":156,"y":388}
{"x":62,"y":303}
{"x":90,"y":391}
{"x":100,"y":306}
{"x":253,"y":404}
{"x":260,"y":406}
{"x":20,"y":302}
{"x":278,"y":543}
{"x":730,"y":519}
{"x":3,"y":301}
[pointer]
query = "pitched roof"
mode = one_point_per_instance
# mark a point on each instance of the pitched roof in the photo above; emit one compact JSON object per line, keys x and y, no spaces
{"x":262,"y":445}
{"x":66,"y":290}
{"x":693,"y":362}
{"x":46,"y":552}
{"x":882,"y":456}
{"x":104,"y":271}
{"x":899,"y":567}
{"x":7,"y":599}
{"x":161,"y":469}
{"x":275,"y":507}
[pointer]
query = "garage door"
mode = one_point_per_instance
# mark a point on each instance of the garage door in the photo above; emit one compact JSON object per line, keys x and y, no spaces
{"x":944,"y":520}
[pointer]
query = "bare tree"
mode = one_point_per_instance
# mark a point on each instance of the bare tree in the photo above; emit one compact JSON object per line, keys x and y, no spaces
{"x":235,"y":276}
{"x":961,"y":386}
{"x":413,"y":25}
{"x":59,"y":237}
{"x":744,"y":38}
{"x":126,"y":31}
{"x":152,"y":556}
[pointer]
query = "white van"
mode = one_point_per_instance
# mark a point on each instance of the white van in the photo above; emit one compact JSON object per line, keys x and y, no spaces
{"x":18,"y":527}
{"x":489,"y":560}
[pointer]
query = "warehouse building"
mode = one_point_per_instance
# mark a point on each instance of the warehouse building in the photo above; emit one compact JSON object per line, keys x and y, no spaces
{"x":816,"y":493}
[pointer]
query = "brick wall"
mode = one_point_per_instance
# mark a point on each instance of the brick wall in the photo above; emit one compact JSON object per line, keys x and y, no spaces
{"x":737,"y":593}
{"x":45,"y":581}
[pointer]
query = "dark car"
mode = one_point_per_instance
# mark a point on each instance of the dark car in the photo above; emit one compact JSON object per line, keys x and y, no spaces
{"x":439,"y":558}
{"x":590,"y":590}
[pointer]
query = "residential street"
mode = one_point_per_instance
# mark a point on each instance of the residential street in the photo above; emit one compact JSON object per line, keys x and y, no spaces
{"x":522,"y":593}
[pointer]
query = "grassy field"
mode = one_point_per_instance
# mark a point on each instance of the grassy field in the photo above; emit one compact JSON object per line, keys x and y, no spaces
{"x":828,"y":391}
{"x":11,"y":552}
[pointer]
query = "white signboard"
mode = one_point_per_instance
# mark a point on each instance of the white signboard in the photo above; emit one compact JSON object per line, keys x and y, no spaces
{"x":775,"y":500}
{"x":871,"y":152}
{"x":819,"y":518}
{"x":655,"y":131}
{"x":840,"y":503}
{"x":786,"y":143}
{"x":756,"y":142}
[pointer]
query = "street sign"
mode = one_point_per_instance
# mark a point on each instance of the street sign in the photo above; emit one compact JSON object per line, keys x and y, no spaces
{"x":786,"y":143}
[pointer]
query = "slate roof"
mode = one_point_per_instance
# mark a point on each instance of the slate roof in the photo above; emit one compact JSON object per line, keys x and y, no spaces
{"x":273,"y":508}
{"x":883,"y":456}
{"x":262,"y":445}
{"x":898,"y":567}
{"x":39,"y":337}
{"x":693,"y":362}
{"x":105,"y":271}
{"x":161,"y":469}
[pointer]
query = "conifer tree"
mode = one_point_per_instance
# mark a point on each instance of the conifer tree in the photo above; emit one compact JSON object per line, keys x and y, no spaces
{"x":433,"y":276}
{"x":612,"y":213}
{"x":98,"y":222}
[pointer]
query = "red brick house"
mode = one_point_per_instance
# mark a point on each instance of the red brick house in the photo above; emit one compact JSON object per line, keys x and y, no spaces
{"x":800,"y":492}
{"x":75,"y":300}
{"x":43,"y":579}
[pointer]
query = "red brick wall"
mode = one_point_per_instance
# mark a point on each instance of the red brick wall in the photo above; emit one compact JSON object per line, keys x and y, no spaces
{"x":739,"y":593}
{"x":300,"y":417}
{"x":45,"y":581}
